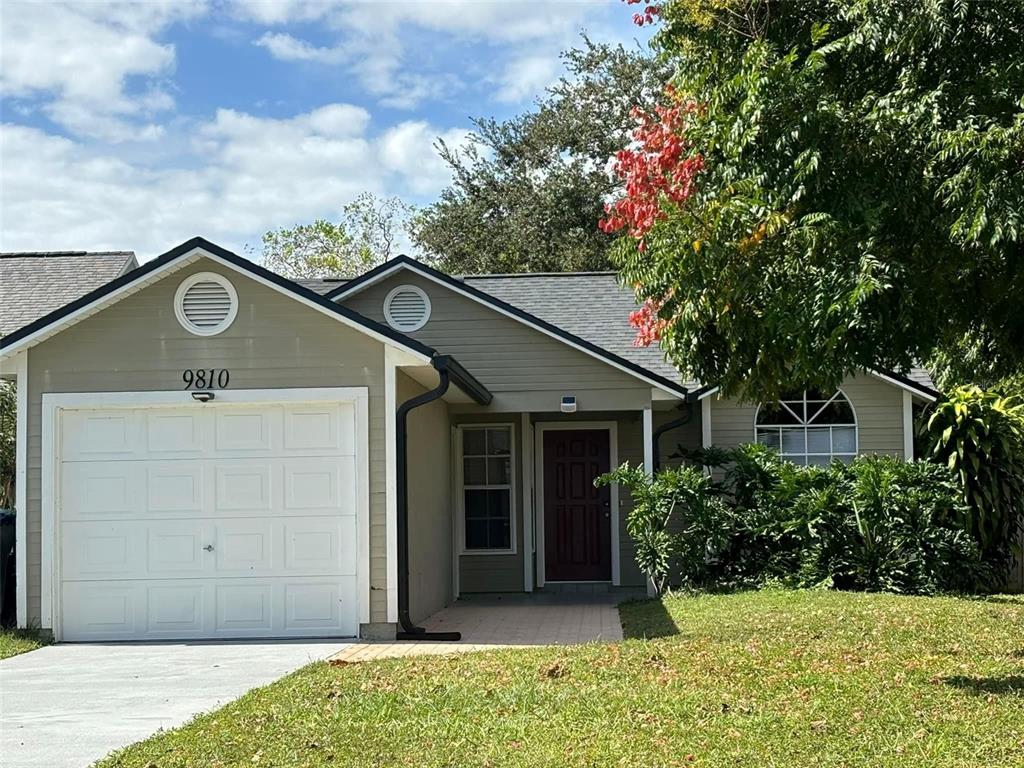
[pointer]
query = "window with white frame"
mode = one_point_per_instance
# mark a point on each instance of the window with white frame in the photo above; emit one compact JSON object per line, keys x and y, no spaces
{"x":809,"y":427}
{"x":487,"y":488}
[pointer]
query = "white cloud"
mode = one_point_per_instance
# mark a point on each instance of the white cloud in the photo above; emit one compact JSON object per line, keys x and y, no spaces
{"x":243,"y":175}
{"x":287,"y":48}
{"x":408,"y":149}
{"x":79,"y":57}
{"x":527,"y":77}
{"x":369,"y":41}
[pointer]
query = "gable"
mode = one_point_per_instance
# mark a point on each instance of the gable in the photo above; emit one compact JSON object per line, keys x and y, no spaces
{"x":177,"y":259}
{"x":388,"y":274}
{"x":506,"y":355}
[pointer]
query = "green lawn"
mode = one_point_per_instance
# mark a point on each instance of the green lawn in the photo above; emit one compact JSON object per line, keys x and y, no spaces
{"x":753,"y":679}
{"x":15,"y":641}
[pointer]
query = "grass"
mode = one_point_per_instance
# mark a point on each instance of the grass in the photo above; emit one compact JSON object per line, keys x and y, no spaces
{"x":15,"y":641}
{"x":752,"y":679}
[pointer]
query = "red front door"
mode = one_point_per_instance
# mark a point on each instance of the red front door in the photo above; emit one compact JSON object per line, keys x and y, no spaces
{"x":577,"y":516}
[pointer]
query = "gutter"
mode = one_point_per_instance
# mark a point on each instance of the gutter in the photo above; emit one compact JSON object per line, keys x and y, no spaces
{"x":449,"y":371}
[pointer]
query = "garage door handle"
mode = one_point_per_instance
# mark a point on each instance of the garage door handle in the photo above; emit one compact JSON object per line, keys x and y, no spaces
{"x":208,"y":548}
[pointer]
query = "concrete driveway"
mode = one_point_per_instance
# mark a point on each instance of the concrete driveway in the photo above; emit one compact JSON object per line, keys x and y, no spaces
{"x":69,"y":705}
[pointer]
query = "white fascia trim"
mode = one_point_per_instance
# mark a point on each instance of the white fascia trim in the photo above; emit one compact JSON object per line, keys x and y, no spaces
{"x":914,"y":391}
{"x":391,"y":363}
{"x":54,"y":403}
{"x":390,"y":271}
{"x":21,"y":490}
{"x":173,"y":266}
{"x":613,"y":460}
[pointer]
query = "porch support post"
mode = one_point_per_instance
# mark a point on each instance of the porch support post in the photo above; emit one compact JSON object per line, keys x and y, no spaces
{"x":908,"y":426}
{"x":648,"y":419}
{"x":527,"y":465}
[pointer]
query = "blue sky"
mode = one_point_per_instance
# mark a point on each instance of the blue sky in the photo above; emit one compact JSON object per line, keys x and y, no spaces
{"x":138,"y":125}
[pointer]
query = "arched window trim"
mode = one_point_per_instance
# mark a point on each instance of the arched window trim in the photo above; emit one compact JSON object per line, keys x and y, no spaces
{"x":810,"y":423}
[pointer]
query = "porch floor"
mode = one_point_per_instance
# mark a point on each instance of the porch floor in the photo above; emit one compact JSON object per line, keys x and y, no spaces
{"x":508,"y":621}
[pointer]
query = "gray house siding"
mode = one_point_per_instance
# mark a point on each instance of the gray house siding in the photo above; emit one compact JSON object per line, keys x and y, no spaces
{"x":274,"y":342}
{"x":526,"y":369}
{"x":430,"y":503}
{"x":877,"y":404}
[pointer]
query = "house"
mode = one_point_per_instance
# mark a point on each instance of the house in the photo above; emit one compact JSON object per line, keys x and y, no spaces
{"x":209,"y":450}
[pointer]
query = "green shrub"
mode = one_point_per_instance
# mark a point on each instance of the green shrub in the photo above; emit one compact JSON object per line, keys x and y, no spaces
{"x":877,"y":524}
{"x":979,"y":436}
{"x":676,"y":520}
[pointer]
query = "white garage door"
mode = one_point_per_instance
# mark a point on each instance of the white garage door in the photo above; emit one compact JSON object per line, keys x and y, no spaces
{"x":208,"y":521}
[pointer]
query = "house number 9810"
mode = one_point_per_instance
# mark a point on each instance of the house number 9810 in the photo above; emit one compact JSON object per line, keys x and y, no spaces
{"x":206,"y":378}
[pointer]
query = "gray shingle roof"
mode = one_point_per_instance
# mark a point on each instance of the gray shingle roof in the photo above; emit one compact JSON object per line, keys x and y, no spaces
{"x":595,"y":307}
{"x":33,"y":284}
{"x":323,"y":285}
{"x":591,"y":305}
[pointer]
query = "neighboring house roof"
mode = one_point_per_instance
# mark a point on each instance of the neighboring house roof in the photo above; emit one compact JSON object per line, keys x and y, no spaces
{"x":33,"y":284}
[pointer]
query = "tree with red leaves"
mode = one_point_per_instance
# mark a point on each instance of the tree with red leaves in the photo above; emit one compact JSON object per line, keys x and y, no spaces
{"x":826,"y":187}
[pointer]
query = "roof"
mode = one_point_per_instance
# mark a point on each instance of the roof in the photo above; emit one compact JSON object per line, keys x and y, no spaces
{"x":666,"y":379}
{"x":591,"y":305}
{"x":322,"y":285}
{"x":32,"y":284}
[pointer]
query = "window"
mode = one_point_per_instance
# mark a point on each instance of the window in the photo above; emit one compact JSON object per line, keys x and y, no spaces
{"x":205,"y":304}
{"x":808,"y":427}
{"x":487,"y":489}
{"x":406,"y":308}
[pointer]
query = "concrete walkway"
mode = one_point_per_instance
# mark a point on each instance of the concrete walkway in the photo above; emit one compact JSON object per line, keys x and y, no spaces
{"x":506,"y":622}
{"x":66,"y":706}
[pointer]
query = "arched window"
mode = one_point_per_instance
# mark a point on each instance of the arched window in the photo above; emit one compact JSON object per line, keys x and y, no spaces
{"x":808,"y":427}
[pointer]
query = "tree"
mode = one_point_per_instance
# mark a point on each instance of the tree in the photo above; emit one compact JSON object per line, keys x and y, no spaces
{"x":527,"y":192}
{"x":367,"y":235}
{"x":828,"y":186}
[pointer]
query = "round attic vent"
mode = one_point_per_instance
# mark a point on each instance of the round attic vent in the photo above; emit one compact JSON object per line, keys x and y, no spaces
{"x":407,"y":308}
{"x":205,"y":304}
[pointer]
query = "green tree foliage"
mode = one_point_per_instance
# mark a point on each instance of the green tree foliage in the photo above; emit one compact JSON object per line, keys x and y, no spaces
{"x":862,"y":191}
{"x":8,"y":425}
{"x":367,"y":235}
{"x":979,"y":435}
{"x":527,"y":192}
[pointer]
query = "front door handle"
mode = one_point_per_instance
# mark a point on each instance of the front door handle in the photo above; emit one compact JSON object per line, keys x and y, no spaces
{"x":208,"y":548}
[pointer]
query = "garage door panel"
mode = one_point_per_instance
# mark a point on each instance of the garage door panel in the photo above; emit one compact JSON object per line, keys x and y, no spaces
{"x":246,"y":430}
{"x":101,"y":489}
{"x":101,"y":610}
{"x":243,"y":487}
{"x":209,"y":521}
{"x":320,"y":429}
{"x":317,"y":606}
{"x":245,"y":547}
{"x":312,"y":485}
{"x":103,"y":551}
{"x":176,"y":434}
{"x":245,"y":608}
{"x":319,"y":545}
{"x":175,"y":487}
{"x":175,"y":549}
{"x":91,"y":435}
{"x":176,"y":610}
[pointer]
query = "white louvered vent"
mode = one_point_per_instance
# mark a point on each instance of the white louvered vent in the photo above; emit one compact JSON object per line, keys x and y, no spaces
{"x":206,"y":304}
{"x":407,"y":308}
